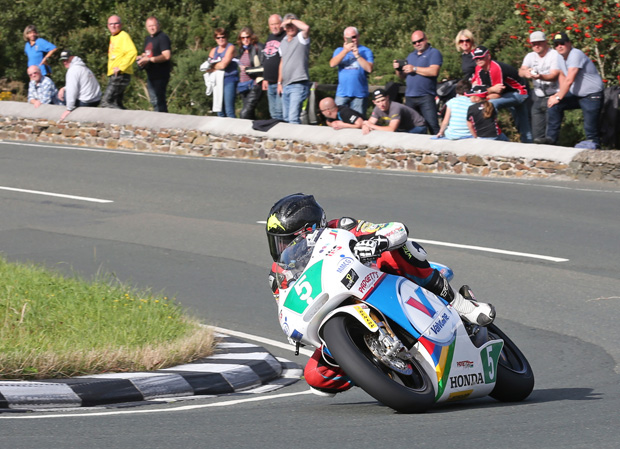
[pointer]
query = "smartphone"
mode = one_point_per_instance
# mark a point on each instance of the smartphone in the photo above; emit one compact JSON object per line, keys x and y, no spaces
{"x":349,"y":40}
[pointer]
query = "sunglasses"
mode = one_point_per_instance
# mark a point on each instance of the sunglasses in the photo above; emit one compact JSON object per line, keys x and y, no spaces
{"x":352,"y":37}
{"x":245,"y":37}
{"x":556,"y":44}
{"x":462,"y":41}
{"x":418,"y":41}
{"x":220,"y":37}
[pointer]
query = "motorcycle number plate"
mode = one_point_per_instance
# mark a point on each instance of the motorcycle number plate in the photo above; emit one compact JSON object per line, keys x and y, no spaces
{"x":305,"y":289}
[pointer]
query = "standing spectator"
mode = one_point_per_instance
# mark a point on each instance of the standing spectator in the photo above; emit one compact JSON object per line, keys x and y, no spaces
{"x":354,"y":62}
{"x":541,"y":66}
{"x":156,"y":61}
{"x":465,"y":43}
{"x":293,"y":78}
{"x":392,"y":116}
{"x":420,"y":72}
{"x":38,"y":50}
{"x":81,"y":87}
{"x":121,"y":56}
{"x":581,"y":86}
{"x":271,"y":65}
{"x":41,"y":89}
{"x":250,"y":87}
{"x":482,"y":116}
{"x":340,"y":116}
{"x":454,"y":125}
{"x":222,"y":57}
{"x":506,"y":89}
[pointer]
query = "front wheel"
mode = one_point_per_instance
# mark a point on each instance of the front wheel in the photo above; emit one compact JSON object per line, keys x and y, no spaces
{"x":402,"y":384}
{"x":515,"y":379}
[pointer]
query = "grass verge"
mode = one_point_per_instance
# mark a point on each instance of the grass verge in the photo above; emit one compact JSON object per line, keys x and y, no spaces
{"x":52,"y":326}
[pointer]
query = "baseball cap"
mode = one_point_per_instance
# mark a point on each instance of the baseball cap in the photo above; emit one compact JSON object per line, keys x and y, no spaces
{"x":480,"y":52}
{"x":378,"y":93}
{"x":560,"y":38}
{"x":477,"y":91}
{"x":290,"y":16}
{"x":538,"y":36}
{"x":65,"y":54}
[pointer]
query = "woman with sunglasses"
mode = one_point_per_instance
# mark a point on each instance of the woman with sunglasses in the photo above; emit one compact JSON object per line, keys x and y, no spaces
{"x":464,"y":42}
{"x":250,"y":86}
{"x":224,"y":54}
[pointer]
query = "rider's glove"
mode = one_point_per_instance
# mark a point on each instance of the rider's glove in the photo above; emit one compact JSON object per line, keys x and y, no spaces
{"x":370,"y":249}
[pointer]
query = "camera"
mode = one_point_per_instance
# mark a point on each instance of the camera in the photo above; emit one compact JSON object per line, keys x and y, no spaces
{"x":401,"y":63}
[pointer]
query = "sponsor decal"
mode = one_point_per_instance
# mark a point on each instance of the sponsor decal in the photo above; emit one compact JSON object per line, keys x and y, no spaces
{"x":440,"y":323}
{"x":406,"y":251}
{"x":369,"y":281}
{"x":367,"y":227}
{"x":274,"y":223}
{"x":350,"y":279}
{"x":465,"y":364}
{"x":398,"y":230}
{"x":296,"y":335}
{"x":333,"y":251}
{"x":369,"y":321}
{"x":460,"y":395}
{"x":466,"y":380}
{"x":344,"y":263}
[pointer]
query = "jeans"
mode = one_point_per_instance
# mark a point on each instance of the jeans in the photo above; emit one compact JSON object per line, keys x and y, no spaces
{"x":293,"y":97}
{"x":518,"y":109}
{"x":591,"y":107}
{"x":113,"y":95}
{"x":157,"y":93}
{"x":418,"y":130}
{"x":275,"y":102}
{"x":230,"y":93}
{"x":426,"y":106}
{"x":357,"y":104}
{"x":539,"y":116}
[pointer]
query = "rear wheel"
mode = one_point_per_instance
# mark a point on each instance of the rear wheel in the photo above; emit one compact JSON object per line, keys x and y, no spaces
{"x":515,"y":379}
{"x":400,"y":384}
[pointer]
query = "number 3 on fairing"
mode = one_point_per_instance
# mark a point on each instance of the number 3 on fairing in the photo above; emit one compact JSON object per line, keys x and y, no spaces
{"x":301,"y":285}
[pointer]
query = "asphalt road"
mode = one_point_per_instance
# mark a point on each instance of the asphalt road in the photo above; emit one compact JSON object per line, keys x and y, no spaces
{"x":547,"y":255}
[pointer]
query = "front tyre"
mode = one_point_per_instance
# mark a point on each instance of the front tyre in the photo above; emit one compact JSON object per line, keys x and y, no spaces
{"x":515,"y":379}
{"x":346,"y":339}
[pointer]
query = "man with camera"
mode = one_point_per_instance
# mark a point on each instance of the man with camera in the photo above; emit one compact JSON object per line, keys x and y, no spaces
{"x":420,"y":71}
{"x":354,"y":63}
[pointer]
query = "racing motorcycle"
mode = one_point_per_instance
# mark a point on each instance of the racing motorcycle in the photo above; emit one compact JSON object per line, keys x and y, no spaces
{"x":403,"y":345}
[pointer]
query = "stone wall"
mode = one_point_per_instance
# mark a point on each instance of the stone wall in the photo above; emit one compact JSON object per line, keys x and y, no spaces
{"x":291,"y":145}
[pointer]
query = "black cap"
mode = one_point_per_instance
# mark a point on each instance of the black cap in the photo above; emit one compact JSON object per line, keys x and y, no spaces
{"x":560,"y":38}
{"x":65,"y":54}
{"x":378,"y":93}
{"x":479,"y":52}
{"x":477,"y":91}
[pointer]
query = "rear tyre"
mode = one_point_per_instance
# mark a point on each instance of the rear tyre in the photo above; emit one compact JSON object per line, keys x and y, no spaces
{"x":515,"y":379}
{"x":403,"y":385}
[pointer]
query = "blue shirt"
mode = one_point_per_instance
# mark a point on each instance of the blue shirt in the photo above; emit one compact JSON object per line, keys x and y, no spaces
{"x":352,"y":78}
{"x":419,"y":85}
{"x":45,"y":91}
{"x":37,"y":52}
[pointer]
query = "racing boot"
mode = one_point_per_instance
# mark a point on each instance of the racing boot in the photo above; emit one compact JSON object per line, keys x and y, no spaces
{"x":463,"y":301}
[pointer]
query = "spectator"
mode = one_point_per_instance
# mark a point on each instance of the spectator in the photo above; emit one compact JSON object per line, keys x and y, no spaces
{"x":250,"y":87}
{"x":38,"y":50}
{"x":271,"y":65}
{"x":41,"y":89}
{"x":293,"y":78}
{"x":581,"y":86}
{"x":541,"y":66}
{"x":465,"y":43}
{"x":506,"y":89}
{"x":454,"y":125}
{"x":121,"y":56}
{"x":420,"y":72}
{"x":156,"y":61}
{"x":81,"y":87}
{"x":392,"y":116}
{"x":482,"y":116}
{"x":340,"y":116}
{"x":222,"y":58}
{"x":354,"y":63}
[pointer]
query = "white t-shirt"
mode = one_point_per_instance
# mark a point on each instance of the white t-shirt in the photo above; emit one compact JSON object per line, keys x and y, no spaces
{"x":543,"y":66}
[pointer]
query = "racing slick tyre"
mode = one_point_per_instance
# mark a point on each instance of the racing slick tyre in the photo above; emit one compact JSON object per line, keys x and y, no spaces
{"x":515,"y":379}
{"x":401,"y":384}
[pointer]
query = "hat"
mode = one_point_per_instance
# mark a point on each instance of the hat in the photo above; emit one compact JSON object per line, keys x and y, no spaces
{"x":560,"y":38}
{"x":538,"y":36}
{"x":65,"y":54}
{"x":479,"y":52}
{"x":290,"y":16}
{"x":378,"y":93}
{"x":477,"y":91}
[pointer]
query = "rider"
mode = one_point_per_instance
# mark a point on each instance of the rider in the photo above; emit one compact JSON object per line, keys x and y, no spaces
{"x":386,"y":243}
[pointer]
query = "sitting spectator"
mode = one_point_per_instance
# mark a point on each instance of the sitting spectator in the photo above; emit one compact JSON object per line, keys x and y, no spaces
{"x":454,"y":125}
{"x":250,"y":87}
{"x":41,"y":89}
{"x":465,"y":44}
{"x":38,"y":50}
{"x":340,"y":117}
{"x":581,"y":86}
{"x":81,"y":86}
{"x":506,"y":89}
{"x":391,"y":116}
{"x":354,"y":62}
{"x":482,"y":116}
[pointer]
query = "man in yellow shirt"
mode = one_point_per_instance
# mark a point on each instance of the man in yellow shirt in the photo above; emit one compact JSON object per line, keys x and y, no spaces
{"x":121,"y":56}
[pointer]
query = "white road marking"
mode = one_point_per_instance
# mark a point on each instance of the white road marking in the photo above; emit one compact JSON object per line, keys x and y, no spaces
{"x":482,"y":248}
{"x":57,"y":195}
{"x":277,"y":344}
